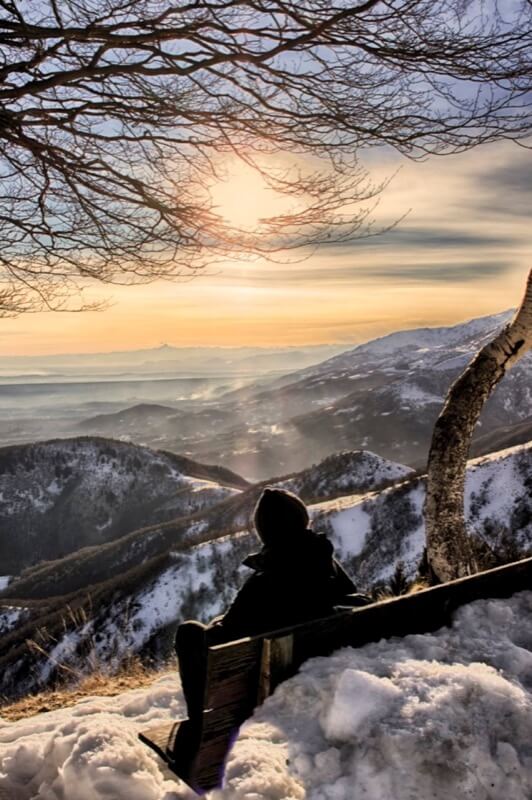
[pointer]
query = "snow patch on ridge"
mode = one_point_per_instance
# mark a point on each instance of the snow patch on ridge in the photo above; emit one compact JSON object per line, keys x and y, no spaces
{"x":9,"y":617}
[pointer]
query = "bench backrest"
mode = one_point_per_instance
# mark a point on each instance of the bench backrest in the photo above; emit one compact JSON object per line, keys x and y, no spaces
{"x":241,"y":674}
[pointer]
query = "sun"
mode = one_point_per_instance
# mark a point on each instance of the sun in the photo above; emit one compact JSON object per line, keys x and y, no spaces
{"x":244,"y":198}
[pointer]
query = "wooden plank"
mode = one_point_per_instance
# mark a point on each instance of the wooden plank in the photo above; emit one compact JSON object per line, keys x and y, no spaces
{"x":190,"y":751}
{"x":161,"y":738}
{"x":277,"y":664}
{"x":421,"y":612}
{"x":281,"y":659}
{"x":264,"y":687}
{"x":219,"y":733}
{"x":233,"y":671}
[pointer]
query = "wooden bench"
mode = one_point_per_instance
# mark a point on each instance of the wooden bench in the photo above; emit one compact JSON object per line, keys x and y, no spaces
{"x":241,"y":674}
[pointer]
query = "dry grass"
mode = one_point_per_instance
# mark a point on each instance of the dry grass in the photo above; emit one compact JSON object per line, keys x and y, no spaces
{"x":98,"y":683}
{"x":388,"y":594}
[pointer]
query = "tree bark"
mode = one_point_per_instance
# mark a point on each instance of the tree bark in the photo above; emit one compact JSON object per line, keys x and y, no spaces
{"x":449,"y":548}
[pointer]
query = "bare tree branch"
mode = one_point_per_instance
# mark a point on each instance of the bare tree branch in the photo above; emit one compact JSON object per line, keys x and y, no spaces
{"x":114,"y":115}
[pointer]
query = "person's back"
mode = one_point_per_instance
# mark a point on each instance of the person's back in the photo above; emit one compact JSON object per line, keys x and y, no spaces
{"x":295,"y":579}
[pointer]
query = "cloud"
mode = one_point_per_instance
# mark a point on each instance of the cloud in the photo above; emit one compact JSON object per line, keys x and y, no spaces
{"x":424,"y":238}
{"x":396,"y":271}
{"x":511,"y":178}
{"x":505,"y":189}
{"x":463,"y":272}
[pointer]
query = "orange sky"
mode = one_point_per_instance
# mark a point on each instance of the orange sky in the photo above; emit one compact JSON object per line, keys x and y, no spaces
{"x":463,"y":251}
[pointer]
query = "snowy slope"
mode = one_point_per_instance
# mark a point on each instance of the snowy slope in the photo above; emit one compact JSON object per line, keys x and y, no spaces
{"x":372,"y":533}
{"x":348,"y":472}
{"x":60,"y":496}
{"x":443,"y":716}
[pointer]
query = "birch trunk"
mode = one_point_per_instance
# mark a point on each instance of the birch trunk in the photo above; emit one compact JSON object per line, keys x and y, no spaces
{"x":449,"y":550}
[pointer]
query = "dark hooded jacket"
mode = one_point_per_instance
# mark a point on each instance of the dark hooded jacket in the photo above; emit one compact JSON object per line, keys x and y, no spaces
{"x":292,"y":582}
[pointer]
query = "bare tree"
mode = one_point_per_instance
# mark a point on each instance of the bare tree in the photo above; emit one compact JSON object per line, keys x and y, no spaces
{"x":449,"y":549}
{"x":114,"y":114}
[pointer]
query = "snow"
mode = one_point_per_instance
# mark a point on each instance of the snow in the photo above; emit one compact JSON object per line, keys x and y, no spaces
{"x":358,"y":699}
{"x":4,"y":582}
{"x":347,"y":471}
{"x":381,"y":528}
{"x":348,"y":524}
{"x":9,"y":617}
{"x":439,"y":716}
{"x":129,"y":624}
{"x":431,"y":337}
{"x":415,"y":395}
{"x":90,"y":751}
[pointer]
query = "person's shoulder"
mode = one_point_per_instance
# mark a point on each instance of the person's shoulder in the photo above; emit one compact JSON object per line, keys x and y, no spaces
{"x":322,"y":543}
{"x":316,"y":548}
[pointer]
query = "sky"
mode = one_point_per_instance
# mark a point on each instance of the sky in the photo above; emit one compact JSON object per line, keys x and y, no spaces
{"x":462,"y":250}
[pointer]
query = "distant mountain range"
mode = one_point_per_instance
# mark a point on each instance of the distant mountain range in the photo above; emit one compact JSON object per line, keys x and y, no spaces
{"x":168,"y":360}
{"x":383,"y":396}
{"x":127,"y":595}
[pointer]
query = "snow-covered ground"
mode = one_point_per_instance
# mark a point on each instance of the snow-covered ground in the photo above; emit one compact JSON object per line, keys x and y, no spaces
{"x":445,"y":716}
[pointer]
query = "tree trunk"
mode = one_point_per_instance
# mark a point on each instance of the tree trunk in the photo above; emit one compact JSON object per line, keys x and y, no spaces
{"x":449,"y":550}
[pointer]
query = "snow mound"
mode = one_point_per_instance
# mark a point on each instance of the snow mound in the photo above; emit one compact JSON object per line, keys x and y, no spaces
{"x":439,"y":716}
{"x":90,"y":751}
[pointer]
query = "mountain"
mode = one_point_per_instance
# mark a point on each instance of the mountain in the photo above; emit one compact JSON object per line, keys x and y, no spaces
{"x":191,"y":568}
{"x":382,"y":396}
{"x":503,"y":437}
{"x":205,"y":361}
{"x":372,"y":534}
{"x":347,"y":472}
{"x":60,"y":496}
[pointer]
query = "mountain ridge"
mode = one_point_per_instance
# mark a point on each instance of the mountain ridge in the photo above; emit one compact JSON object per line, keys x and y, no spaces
{"x":383,"y":395}
{"x":64,"y":494}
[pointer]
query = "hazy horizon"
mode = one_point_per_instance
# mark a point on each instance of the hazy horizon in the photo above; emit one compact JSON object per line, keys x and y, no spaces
{"x":462,"y":251}
{"x":169,"y":346}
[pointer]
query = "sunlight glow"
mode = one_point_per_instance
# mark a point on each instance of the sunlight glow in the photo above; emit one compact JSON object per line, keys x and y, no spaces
{"x":244,"y":198}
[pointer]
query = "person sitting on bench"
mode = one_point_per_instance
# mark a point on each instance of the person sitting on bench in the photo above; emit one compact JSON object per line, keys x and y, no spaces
{"x":296,"y":579}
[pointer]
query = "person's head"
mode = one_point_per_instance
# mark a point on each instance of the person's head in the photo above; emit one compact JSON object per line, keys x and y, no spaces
{"x":279,"y":514}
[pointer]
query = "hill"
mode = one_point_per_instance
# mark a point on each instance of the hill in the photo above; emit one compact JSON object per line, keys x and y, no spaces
{"x":63,"y":495}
